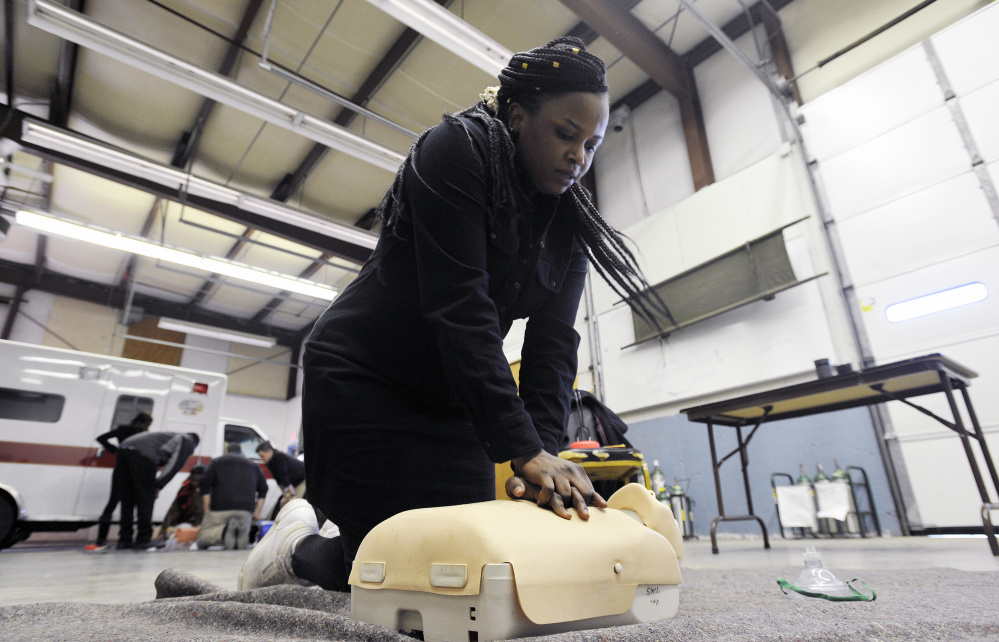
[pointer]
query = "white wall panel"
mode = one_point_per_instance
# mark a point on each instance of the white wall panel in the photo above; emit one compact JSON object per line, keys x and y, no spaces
{"x":979,"y":355}
{"x":619,"y":190}
{"x":969,"y":50}
{"x":762,"y":341}
{"x":926,"y":334}
{"x":873,"y":103}
{"x":980,"y":109}
{"x":942,"y":483}
{"x":656,"y":243}
{"x":711,"y":223}
{"x":920,"y":153}
{"x":941,"y":221}
{"x":645,"y":167}
{"x":662,"y":152}
{"x":739,"y":115}
{"x":721,"y":217}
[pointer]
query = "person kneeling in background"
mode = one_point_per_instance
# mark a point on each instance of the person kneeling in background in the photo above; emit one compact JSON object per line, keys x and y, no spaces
{"x":187,"y":506}
{"x":234,"y":490}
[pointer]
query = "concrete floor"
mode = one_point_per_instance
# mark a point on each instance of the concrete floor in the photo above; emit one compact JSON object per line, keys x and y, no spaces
{"x":30,"y":574}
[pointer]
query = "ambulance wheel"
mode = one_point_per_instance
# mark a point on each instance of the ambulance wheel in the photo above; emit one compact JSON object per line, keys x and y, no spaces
{"x":8,"y":517}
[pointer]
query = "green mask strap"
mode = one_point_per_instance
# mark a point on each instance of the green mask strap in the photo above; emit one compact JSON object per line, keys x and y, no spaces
{"x":856,"y":597}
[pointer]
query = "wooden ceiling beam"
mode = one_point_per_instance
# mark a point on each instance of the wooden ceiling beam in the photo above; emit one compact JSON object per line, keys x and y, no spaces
{"x":632,"y":38}
{"x":621,"y":28}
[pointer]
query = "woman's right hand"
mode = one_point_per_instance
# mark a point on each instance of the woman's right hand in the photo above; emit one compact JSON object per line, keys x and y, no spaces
{"x":555,"y":482}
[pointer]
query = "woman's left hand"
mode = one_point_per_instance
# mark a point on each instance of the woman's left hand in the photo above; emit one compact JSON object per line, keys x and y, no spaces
{"x":563,"y":484}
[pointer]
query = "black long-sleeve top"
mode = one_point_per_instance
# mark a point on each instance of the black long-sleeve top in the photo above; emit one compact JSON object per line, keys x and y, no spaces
{"x":428,"y":312}
{"x":234,"y":483}
{"x":286,"y":470}
{"x":121,"y":433}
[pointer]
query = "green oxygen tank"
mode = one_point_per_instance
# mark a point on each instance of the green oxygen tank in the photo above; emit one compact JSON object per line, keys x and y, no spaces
{"x":803,"y":478}
{"x":679,"y":504}
{"x":839,"y":476}
{"x":658,"y":478}
{"x":827,"y":526}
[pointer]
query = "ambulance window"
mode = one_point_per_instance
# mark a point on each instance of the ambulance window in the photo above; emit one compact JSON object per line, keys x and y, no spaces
{"x":247,"y":438}
{"x":26,"y":405}
{"x":127,"y":407}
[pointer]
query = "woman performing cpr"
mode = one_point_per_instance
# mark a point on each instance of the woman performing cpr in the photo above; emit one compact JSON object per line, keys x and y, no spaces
{"x":408,"y":397}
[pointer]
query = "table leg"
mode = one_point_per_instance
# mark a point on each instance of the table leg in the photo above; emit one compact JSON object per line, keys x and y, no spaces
{"x":715,"y":465}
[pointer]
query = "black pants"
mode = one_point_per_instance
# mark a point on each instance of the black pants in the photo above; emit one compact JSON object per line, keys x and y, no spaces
{"x":104,"y":523}
{"x":373,"y":452}
{"x":138,"y":494}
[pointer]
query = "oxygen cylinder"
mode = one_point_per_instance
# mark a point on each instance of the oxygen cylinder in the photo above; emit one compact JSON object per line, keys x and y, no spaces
{"x":803,"y":477}
{"x":658,"y":478}
{"x":827,"y":526}
{"x":680,"y":505}
{"x":839,"y":476}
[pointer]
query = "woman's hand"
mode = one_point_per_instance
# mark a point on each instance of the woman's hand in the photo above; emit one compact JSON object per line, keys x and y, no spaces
{"x":555,"y":482}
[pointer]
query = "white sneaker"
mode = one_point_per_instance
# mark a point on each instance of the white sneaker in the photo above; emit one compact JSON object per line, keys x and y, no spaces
{"x":270,"y":561}
{"x":329,"y":530}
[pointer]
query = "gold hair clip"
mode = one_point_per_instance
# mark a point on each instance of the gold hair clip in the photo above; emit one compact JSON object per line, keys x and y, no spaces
{"x":575,"y":50}
{"x":555,"y":64}
{"x":524,"y":65}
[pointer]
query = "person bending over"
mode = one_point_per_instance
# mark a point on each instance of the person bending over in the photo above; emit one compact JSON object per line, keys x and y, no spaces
{"x":288,"y":472}
{"x":484,"y":224}
{"x":139,"y":457}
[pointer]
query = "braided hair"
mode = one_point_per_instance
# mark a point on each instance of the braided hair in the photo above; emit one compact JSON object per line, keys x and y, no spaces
{"x":561,"y":66}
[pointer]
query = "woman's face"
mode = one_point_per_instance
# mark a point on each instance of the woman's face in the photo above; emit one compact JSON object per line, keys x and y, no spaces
{"x":556,"y":143}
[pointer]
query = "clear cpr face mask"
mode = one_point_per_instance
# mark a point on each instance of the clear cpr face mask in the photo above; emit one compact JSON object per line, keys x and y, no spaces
{"x":816,"y":581}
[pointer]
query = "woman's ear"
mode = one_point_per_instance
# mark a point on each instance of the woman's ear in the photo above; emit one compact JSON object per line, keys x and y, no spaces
{"x":515,"y":117}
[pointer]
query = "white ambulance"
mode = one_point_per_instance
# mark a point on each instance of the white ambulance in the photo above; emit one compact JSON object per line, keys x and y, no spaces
{"x":54,"y":475}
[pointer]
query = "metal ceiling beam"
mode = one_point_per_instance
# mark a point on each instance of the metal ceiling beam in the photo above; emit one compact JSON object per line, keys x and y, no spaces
{"x":210,"y":282}
{"x":281,"y":298}
{"x":62,"y":97}
{"x":735,"y":28}
{"x":309,"y":238}
{"x":395,"y":55}
{"x":189,"y":140}
{"x":114,"y":297}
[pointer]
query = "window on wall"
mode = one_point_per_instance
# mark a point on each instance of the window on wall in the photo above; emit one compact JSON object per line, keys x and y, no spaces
{"x":758,"y":270}
{"x":127,"y":406}
{"x":26,"y":405}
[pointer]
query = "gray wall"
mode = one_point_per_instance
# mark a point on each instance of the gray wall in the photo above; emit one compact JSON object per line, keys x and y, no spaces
{"x":683,"y":451}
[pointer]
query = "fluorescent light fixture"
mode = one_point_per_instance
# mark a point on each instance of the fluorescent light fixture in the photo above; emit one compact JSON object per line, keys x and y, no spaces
{"x":937,"y":302}
{"x":449,"y":31}
{"x":215,"y":333}
{"x":46,"y":136}
{"x":137,"y":245}
{"x":6,"y":165}
{"x":76,"y":27}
